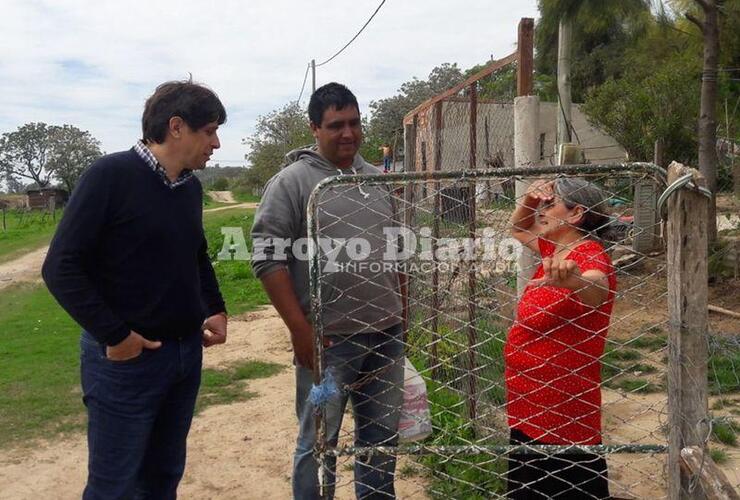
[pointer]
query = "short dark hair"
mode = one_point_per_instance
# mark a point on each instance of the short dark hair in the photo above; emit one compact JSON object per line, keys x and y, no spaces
{"x":196,"y":104}
{"x":326,"y":96}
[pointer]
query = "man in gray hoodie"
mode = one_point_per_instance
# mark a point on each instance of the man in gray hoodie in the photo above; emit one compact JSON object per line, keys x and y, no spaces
{"x":361,"y":307}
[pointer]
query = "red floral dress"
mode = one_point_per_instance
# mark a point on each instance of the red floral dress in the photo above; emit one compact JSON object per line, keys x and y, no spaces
{"x":552,"y":353}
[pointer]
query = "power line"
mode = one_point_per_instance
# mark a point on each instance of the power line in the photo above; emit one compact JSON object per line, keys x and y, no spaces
{"x":305,"y":77}
{"x":354,"y":37}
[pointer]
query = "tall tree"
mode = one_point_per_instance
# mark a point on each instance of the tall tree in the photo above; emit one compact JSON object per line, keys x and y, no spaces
{"x":386,"y":121}
{"x":72,"y":151}
{"x":276,"y":134}
{"x":708,"y":160}
{"x":601,"y":31}
{"x":26,"y":153}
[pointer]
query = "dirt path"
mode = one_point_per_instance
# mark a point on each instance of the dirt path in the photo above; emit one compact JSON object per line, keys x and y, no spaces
{"x":222,"y":196}
{"x":231,"y":207}
{"x":237,"y":451}
{"x":23,"y":269}
{"x":27,"y":268}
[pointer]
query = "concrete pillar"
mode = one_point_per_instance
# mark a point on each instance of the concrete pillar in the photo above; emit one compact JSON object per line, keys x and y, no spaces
{"x":526,"y":154}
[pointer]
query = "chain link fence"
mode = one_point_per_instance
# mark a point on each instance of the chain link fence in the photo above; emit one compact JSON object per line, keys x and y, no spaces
{"x":596,"y":399}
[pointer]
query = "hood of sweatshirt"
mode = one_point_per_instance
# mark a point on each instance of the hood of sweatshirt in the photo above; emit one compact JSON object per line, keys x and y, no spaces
{"x":311,"y":156}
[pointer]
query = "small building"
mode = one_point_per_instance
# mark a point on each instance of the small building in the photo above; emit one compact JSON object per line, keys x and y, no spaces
{"x":47,"y":197}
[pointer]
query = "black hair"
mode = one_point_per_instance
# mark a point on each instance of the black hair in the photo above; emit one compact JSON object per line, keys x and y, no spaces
{"x":196,"y":104}
{"x":326,"y":96}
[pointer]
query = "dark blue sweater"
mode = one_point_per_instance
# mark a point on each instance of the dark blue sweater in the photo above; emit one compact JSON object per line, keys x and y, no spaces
{"x":130,"y":254}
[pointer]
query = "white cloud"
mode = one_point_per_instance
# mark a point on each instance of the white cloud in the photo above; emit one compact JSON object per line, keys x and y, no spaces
{"x":93,"y":63}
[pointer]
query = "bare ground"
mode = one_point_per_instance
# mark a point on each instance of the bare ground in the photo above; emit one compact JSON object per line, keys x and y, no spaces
{"x":222,"y":196}
{"x":23,"y":269}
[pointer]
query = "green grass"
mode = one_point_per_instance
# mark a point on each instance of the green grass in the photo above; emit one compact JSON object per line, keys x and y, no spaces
{"x":719,"y":456}
{"x":39,"y":372}
{"x":25,"y":231}
{"x":239,"y":197}
{"x":618,"y":373}
{"x":474,"y":477}
{"x":224,"y":386}
{"x":650,"y":341}
{"x":725,"y":431}
{"x":635,"y":385}
{"x":622,"y":354}
{"x":724,"y":367}
{"x":241,"y":290}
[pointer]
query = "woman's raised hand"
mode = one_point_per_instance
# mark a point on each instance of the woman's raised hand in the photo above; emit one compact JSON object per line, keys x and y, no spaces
{"x":541,"y":190}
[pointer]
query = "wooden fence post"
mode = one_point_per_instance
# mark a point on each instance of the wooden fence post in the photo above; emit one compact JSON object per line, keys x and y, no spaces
{"x":687,"y":348}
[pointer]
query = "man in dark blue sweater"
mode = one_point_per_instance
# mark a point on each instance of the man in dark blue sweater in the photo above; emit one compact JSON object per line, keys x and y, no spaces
{"x":129,"y":263}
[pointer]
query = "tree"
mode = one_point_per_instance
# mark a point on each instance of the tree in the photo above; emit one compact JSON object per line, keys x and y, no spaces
{"x":708,"y":114}
{"x":386,"y":121}
{"x":645,"y":106}
{"x":26,"y":153}
{"x":276,"y":134}
{"x":601,"y":32}
{"x":72,"y":151}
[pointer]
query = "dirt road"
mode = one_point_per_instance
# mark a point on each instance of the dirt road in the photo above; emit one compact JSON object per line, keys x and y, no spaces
{"x":23,"y":269}
{"x":27,"y":268}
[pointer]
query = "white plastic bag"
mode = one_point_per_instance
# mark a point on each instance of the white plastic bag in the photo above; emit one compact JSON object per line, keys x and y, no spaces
{"x":415,"y":423}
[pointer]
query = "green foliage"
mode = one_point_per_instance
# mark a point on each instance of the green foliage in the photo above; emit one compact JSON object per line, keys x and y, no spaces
{"x":276,"y":134}
{"x":600,"y":34}
{"x":663,"y":105}
{"x":73,"y":150}
{"x":43,"y":153}
{"x":499,"y":85}
{"x":220,"y":184}
{"x":386,"y":122}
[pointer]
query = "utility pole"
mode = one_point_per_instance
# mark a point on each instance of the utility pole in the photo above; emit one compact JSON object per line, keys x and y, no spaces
{"x":313,"y":76}
{"x":564,"y":99}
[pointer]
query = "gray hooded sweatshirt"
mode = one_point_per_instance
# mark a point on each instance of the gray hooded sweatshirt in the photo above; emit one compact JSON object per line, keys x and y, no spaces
{"x":359,"y":289}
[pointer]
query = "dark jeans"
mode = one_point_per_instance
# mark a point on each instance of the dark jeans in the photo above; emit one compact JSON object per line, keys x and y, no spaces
{"x":375,"y":403}
{"x":564,"y":476}
{"x":139,"y":414}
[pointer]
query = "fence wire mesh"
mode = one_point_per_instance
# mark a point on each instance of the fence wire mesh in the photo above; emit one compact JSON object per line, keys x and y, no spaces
{"x":519,"y":393}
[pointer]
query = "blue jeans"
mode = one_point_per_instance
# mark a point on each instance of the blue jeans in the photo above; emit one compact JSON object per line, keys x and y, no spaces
{"x":139,"y":413}
{"x":387,"y":163}
{"x":375,"y":403}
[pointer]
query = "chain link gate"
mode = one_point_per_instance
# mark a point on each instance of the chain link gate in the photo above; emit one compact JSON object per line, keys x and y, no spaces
{"x":461,"y":266}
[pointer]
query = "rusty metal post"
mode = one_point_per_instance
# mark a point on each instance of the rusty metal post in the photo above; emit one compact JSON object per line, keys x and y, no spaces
{"x":435,"y":238}
{"x":472,"y":282}
{"x":525,"y":52}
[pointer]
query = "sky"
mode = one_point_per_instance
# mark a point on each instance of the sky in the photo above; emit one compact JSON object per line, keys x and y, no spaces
{"x":92,"y":64}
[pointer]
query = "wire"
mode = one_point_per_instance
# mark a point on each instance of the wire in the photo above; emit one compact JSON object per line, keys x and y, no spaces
{"x":354,"y":37}
{"x":305,"y":77}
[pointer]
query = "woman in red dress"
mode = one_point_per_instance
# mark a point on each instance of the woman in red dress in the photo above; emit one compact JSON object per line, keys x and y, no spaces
{"x":553,"y":372}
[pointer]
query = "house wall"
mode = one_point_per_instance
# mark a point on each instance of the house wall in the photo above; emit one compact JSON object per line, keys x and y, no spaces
{"x":495,"y":136}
